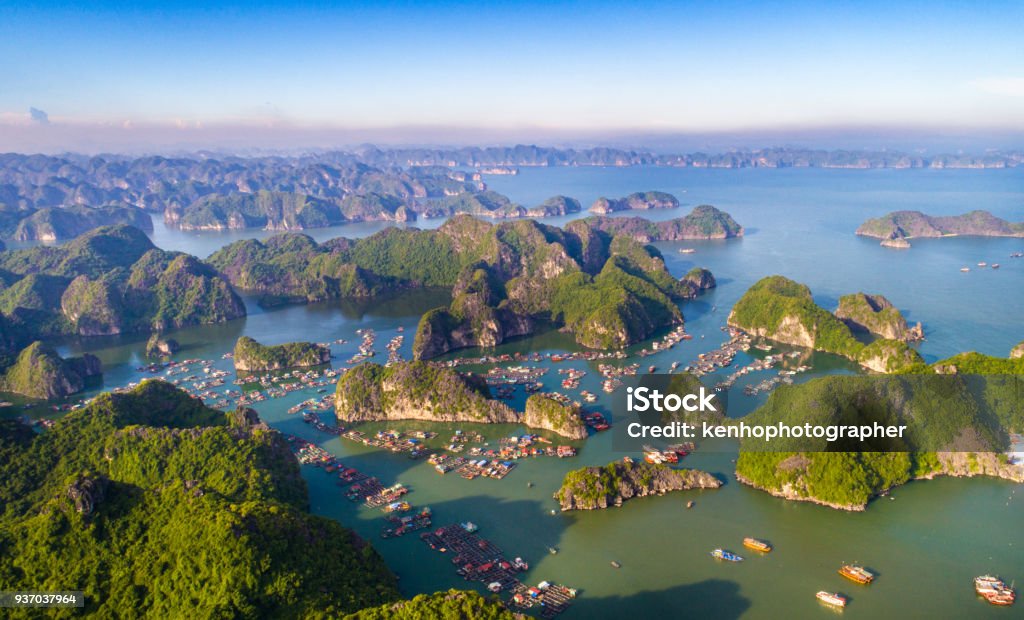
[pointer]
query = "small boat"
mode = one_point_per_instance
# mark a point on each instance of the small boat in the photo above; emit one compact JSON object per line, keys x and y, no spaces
{"x":995,"y":265}
{"x":856,"y":573}
{"x":757,"y":545}
{"x":689,"y":504}
{"x":965,"y":269}
{"x":831,"y":598}
{"x":494,"y":586}
{"x":687,"y":251}
{"x":616,"y":564}
{"x":469,"y":526}
{"x":983,"y":264}
{"x":728,"y":556}
{"x":552,"y":550}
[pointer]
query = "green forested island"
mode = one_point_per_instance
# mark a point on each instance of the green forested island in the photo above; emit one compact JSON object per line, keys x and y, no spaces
{"x":250,"y":355}
{"x":704,"y":222}
{"x":876,"y":314}
{"x":545,"y":412}
{"x":780,"y":309}
{"x":637,"y":201}
{"x":38,"y":372}
{"x":896,"y":227}
{"x":608,"y":290}
{"x":593,"y":488}
{"x":955,"y":427}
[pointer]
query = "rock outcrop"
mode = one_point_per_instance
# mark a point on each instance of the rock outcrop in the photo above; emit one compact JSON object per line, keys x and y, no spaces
{"x":698,"y":280}
{"x":1017,"y":351}
{"x":416,"y":391}
{"x":876,"y":314}
{"x":593,"y":488}
{"x":782,"y":310}
{"x":251,"y":356}
{"x":39,"y":372}
{"x":895,"y":228}
{"x":161,"y":347}
{"x":635,"y":201}
{"x":546,"y":413}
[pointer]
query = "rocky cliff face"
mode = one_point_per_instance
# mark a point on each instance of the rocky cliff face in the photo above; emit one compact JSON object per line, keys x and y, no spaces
{"x":251,"y":356}
{"x":1017,"y":351}
{"x":546,"y":413}
{"x":161,"y":347}
{"x":877,"y":315}
{"x":53,"y":224}
{"x":40,"y":373}
{"x":698,"y":280}
{"x":416,"y":391}
{"x":593,"y":488}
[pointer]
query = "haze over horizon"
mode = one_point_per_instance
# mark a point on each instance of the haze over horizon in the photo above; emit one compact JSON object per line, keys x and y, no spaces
{"x":116,"y":77}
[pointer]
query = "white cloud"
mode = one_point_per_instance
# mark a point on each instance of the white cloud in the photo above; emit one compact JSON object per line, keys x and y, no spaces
{"x":1007,"y":86}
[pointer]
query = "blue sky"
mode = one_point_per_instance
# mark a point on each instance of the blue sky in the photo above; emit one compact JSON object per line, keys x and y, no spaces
{"x":566,"y":68}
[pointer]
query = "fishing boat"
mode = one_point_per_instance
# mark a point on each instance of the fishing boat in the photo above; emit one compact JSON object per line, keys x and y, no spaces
{"x":728,"y":556}
{"x":831,"y":598}
{"x":756,"y":545}
{"x":856,"y":573}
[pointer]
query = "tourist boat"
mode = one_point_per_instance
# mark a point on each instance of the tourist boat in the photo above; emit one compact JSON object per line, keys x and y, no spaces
{"x":722,"y":554}
{"x":965,"y":269}
{"x":687,"y":250}
{"x":995,"y":265}
{"x":983,"y":264}
{"x":831,"y":598}
{"x":757,"y":545}
{"x":856,"y":573}
{"x":994,"y":590}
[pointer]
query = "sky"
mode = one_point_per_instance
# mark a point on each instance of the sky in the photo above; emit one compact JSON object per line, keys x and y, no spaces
{"x":95,"y":75}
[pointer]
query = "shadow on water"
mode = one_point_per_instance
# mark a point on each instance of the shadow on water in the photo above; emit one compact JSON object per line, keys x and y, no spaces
{"x":711,"y":598}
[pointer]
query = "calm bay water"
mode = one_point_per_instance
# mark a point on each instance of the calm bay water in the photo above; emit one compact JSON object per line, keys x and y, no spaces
{"x":926,"y":543}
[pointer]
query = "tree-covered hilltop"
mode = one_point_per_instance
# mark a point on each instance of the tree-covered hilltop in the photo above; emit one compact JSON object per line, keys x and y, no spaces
{"x":704,"y":222}
{"x":902,"y":225}
{"x":876,"y":314}
{"x":250,"y":355}
{"x":635,"y":201}
{"x":416,"y":391}
{"x":780,"y":309}
{"x":956,"y":426}
{"x":111,"y":280}
{"x":545,"y":412}
{"x":155,"y":505}
{"x":58,"y":223}
{"x":38,"y":372}
{"x":592,"y":488}
{"x":450,"y":605}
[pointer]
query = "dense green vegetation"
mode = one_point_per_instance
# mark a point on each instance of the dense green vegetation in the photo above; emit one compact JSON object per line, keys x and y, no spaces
{"x":109,"y":281}
{"x":39,"y":372}
{"x":450,"y":605}
{"x":415,"y":390}
{"x":943,"y":413}
{"x":545,"y":412}
{"x":251,"y":355}
{"x":53,"y":223}
{"x":636,"y":200}
{"x":874,"y":314}
{"x":588,"y":488}
{"x":780,"y":309}
{"x":156,"y":506}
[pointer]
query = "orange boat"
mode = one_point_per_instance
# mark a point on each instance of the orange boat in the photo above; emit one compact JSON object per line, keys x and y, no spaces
{"x":756,"y":545}
{"x":856,"y":573}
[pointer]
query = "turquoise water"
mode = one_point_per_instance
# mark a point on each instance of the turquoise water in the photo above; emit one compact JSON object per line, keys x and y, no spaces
{"x":925,"y":543}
